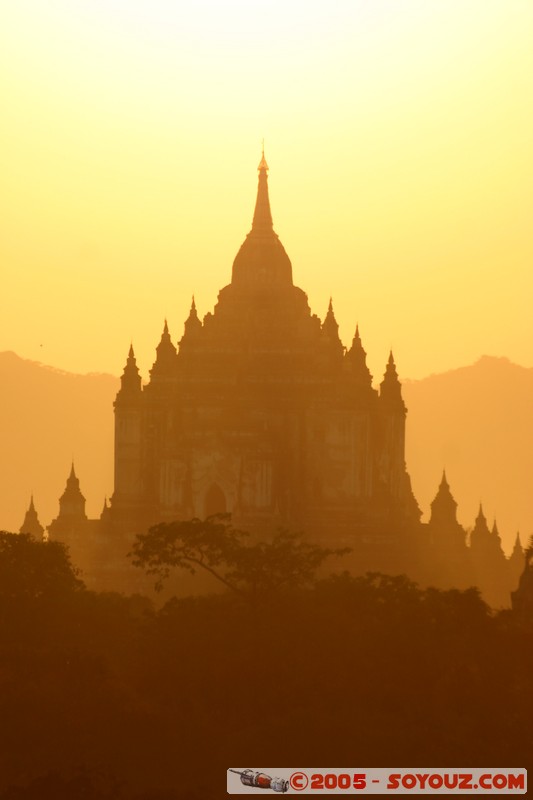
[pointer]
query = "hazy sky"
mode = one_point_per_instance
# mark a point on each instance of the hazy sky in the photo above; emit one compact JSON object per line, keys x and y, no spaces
{"x":399,"y":135}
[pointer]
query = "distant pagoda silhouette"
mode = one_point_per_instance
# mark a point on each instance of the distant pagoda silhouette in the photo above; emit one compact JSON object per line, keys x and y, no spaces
{"x":31,"y":523}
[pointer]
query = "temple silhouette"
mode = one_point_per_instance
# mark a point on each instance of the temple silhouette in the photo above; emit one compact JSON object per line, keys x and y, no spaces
{"x":261,"y":411}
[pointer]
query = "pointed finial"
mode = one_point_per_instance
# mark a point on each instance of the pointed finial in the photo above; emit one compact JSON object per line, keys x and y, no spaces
{"x":165,"y":336}
{"x":329,"y":319}
{"x":357,"y":357}
{"x":130,"y":378}
{"x":390,"y":369}
{"x":193,"y":314}
{"x":262,"y":164}
{"x":193,"y":324}
{"x":444,"y":481}
{"x":390,"y":387}
{"x":72,"y":472}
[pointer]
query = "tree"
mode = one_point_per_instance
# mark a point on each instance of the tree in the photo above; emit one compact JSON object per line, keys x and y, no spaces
{"x":32,"y":569}
{"x":251,"y":569}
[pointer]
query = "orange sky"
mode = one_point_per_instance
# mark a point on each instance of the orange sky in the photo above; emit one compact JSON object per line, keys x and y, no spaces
{"x":399,"y":136}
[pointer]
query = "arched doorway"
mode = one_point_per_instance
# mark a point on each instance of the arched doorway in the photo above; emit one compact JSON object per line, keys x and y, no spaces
{"x":215,"y":501}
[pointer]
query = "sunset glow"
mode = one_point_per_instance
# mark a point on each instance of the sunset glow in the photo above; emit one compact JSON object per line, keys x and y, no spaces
{"x":266,"y":377}
{"x":398,"y":137}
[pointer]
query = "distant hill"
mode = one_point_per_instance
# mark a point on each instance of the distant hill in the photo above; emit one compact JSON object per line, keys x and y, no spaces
{"x":47,"y":418}
{"x":476,"y":421}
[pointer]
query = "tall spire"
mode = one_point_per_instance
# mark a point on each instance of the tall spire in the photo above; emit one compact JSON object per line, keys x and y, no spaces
{"x":262,"y":262}
{"x":262,"y":222}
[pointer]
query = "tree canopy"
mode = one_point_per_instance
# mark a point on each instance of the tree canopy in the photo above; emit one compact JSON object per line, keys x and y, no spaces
{"x":251,"y":568}
{"x":33,"y":569}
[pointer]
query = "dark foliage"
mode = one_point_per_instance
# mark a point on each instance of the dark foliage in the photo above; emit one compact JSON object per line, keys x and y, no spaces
{"x":30,"y":569}
{"x":255,"y":570}
{"x":102,"y":696}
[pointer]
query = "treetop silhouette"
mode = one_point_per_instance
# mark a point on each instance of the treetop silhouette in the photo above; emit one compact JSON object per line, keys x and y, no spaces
{"x":252,"y":569}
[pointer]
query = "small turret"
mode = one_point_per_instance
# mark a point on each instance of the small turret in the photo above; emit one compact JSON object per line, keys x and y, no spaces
{"x":392,"y":412}
{"x":193,"y":324}
{"x":489,"y":562}
{"x":31,"y":523}
{"x":448,"y":556}
{"x":71,"y":526}
{"x":72,"y":502}
{"x":192,"y":333}
{"x":356,"y":358}
{"x":518,"y":550}
{"x":522,"y":598}
{"x":480,"y":532}
{"x":130,"y":381}
{"x":516,"y":562}
{"x":330,"y":326}
{"x":444,"y":506}
{"x":330,"y":333}
{"x":481,"y":521}
{"x":391,"y":388}
{"x":496,"y":533}
{"x":128,"y":420}
{"x":164,"y":367}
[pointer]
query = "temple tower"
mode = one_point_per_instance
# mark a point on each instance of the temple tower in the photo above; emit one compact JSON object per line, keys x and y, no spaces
{"x":393,"y":412}
{"x":71,"y":526}
{"x":447,"y":555}
{"x":261,"y":412}
{"x":489,"y":562}
{"x":31,"y":523}
{"x":127,"y":500}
